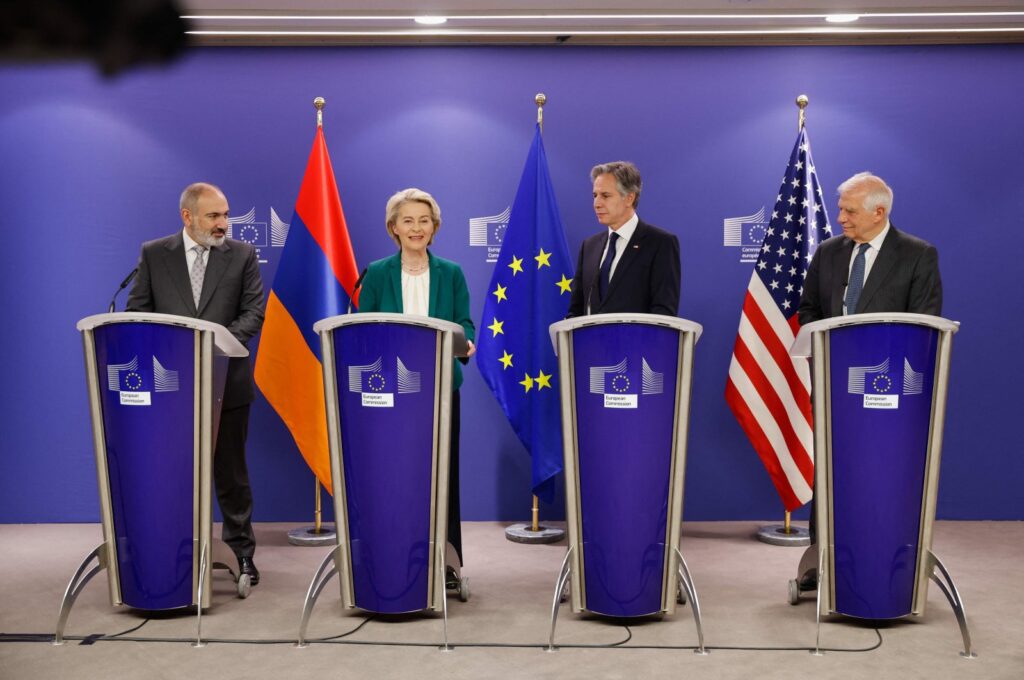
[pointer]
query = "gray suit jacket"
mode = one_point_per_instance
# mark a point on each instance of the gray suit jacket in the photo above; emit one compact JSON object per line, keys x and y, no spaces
{"x":646,"y":279}
{"x":904,"y":278}
{"x":232,"y":296}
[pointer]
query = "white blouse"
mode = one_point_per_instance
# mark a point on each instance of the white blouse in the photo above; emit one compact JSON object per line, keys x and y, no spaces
{"x":416,"y":293}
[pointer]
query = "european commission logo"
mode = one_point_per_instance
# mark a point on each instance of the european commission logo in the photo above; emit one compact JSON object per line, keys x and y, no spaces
{"x":489,"y":232}
{"x":261,"y":235}
{"x":880,"y":387}
{"x":746,"y":233}
{"x":132,"y":386}
{"x":378,"y":385}
{"x":621,"y":388}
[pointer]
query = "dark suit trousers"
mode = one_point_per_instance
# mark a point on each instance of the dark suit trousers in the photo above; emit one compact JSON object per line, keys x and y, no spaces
{"x":231,"y":480}
{"x":454,"y":510}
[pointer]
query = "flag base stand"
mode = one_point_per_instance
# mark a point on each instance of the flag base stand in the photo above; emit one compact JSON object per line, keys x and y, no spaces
{"x":776,"y":534}
{"x":310,"y":536}
{"x":524,"y":533}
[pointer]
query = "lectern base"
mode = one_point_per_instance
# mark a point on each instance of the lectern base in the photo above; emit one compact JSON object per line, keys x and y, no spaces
{"x":524,"y":533}
{"x":310,"y":537}
{"x":775,"y":534}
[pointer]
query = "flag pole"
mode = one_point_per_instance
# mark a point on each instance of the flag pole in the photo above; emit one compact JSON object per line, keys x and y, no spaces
{"x":316,"y":534}
{"x":535,"y":533}
{"x":787,"y":534}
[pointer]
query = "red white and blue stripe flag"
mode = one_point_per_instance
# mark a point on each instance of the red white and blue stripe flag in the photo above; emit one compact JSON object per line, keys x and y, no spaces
{"x":768,"y":391}
{"x":314,"y":280}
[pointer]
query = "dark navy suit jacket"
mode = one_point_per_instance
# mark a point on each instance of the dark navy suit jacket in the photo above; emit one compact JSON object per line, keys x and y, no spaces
{"x":646,"y":279}
{"x":904,"y":278}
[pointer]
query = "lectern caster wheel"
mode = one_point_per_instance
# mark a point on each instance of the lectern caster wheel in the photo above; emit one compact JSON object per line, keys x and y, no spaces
{"x":464,"y":589}
{"x":680,"y":594}
{"x":794,"y":591}
{"x":244,"y":586}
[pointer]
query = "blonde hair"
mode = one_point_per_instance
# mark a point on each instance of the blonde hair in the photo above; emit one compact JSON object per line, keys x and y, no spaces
{"x":413,"y":195}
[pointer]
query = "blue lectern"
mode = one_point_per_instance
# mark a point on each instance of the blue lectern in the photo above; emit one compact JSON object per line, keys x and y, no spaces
{"x":879,"y":402}
{"x":388,"y":388}
{"x":156,"y":383}
{"x":624,"y":382}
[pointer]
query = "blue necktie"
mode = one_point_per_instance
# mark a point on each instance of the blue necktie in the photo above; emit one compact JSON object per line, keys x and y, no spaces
{"x":606,"y":266}
{"x":856,"y":284}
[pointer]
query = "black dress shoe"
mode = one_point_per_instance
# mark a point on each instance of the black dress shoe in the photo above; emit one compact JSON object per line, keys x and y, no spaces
{"x":809,"y":581}
{"x":247,"y":566}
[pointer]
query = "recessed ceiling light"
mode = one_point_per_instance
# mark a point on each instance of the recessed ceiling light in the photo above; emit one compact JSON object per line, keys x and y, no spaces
{"x":431,"y":21}
{"x":841,"y":18}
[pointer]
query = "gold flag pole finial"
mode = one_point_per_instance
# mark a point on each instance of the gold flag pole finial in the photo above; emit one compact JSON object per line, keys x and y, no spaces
{"x":318,"y":104}
{"x":540,"y":99}
{"x":801,"y":102}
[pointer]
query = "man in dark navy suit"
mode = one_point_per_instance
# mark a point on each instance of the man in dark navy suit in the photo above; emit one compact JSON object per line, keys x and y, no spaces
{"x":872,"y":267}
{"x":631,"y":266}
{"x":198,"y":272}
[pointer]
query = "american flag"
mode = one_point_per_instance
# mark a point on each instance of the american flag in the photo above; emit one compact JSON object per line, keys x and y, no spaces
{"x":768,"y":391}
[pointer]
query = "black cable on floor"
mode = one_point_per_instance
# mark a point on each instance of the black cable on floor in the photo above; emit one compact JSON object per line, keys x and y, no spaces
{"x":336,"y":640}
{"x":125,"y":632}
{"x":342,"y":635}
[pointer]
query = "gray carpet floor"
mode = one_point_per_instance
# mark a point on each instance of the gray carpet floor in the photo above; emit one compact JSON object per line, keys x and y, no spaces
{"x":500,"y":632}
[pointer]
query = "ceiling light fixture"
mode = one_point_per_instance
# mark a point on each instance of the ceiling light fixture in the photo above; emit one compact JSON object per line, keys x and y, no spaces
{"x":430,"y":21}
{"x":841,"y":18}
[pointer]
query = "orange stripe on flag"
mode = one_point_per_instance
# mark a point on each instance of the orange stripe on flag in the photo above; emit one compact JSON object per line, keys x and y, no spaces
{"x":290,"y":377}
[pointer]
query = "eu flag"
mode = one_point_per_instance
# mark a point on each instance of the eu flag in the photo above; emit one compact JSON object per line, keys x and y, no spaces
{"x":529,"y":291}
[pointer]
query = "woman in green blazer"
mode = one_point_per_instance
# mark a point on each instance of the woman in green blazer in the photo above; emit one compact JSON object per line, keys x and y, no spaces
{"x":414,"y":281}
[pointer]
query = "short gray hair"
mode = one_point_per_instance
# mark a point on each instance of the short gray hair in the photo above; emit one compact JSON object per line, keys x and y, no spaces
{"x":190,"y":196}
{"x":876,"y":191}
{"x":400,"y":198}
{"x":627,"y":177}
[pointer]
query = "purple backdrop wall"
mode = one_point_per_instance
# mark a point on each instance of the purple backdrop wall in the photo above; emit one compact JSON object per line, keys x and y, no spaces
{"x":94,"y":167}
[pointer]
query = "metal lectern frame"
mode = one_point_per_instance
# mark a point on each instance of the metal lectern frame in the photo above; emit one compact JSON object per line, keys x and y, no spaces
{"x":813,"y":343}
{"x":451,"y":341}
{"x":677,"y":584}
{"x":211,"y":341}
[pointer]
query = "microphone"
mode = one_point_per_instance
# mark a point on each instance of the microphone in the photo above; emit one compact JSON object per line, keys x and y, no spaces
{"x":355,"y":288}
{"x":590,"y":290}
{"x":124,"y":284}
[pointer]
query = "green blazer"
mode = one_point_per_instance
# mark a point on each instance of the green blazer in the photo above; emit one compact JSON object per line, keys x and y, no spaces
{"x":449,"y":295}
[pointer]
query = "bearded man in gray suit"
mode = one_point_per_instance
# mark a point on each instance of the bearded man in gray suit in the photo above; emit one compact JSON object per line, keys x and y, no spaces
{"x":200,"y":273}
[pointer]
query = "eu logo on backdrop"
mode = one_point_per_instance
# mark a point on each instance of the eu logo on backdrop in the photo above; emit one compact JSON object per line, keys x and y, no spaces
{"x":747,"y":233}
{"x":266,"y":237}
{"x":489,"y":232}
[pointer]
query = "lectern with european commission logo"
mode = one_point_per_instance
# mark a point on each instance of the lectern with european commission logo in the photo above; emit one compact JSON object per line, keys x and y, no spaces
{"x":156,"y":384}
{"x":388,"y":390}
{"x":624,"y":382}
{"x":879,"y":402}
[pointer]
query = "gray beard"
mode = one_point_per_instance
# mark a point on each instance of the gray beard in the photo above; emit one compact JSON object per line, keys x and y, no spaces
{"x":211,"y":241}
